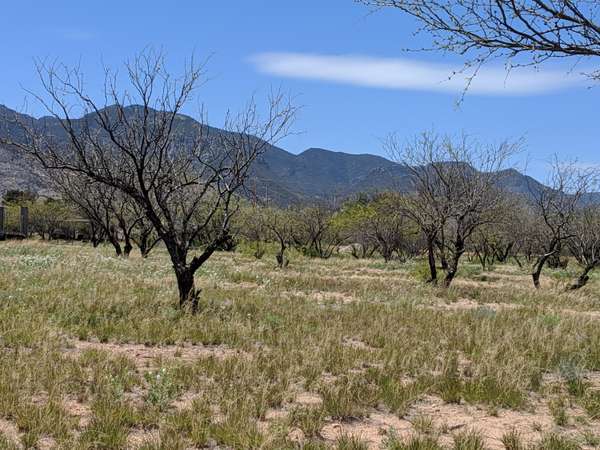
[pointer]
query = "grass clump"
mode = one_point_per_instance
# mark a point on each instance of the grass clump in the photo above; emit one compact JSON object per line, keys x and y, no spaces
{"x":346,"y":442}
{"x":553,"y":441}
{"x":310,"y":420}
{"x":415,"y":442}
{"x":348,"y":397}
{"x":449,"y":385}
{"x":512,"y":440}
{"x":468,"y":440}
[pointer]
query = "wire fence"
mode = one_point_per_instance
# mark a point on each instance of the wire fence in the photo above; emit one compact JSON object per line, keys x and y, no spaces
{"x":21,"y":222}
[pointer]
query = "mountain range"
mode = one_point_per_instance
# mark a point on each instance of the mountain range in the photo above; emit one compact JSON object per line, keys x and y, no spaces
{"x":314,"y":176}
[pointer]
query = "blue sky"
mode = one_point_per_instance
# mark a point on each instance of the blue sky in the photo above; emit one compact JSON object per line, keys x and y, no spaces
{"x":347,"y":67}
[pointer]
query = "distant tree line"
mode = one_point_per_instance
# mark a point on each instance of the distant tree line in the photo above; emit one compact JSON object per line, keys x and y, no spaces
{"x":458,"y":206}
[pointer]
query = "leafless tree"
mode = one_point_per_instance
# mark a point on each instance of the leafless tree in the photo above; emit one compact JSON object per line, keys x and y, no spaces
{"x":425,"y":204}
{"x":388,"y":226}
{"x":97,"y":203}
{"x":522,"y":32}
{"x":280,"y":223}
{"x":584,"y":243}
{"x":182,"y":174}
{"x":503,"y":239}
{"x":456,"y":184}
{"x":314,"y":232}
{"x":556,"y":206}
{"x":143,"y":233}
{"x":481,"y":246}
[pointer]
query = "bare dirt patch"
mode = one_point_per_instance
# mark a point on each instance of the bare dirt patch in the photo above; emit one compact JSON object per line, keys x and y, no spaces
{"x":450,"y":419}
{"x":46,"y":443}
{"x":373,"y":429}
{"x":465,"y":304}
{"x":587,"y":314}
{"x":184,"y":401}
{"x":79,"y":410}
{"x":10,"y":431}
{"x":243,"y":285}
{"x":357,"y":343}
{"x":139,"y":437}
{"x":144,"y":356}
{"x":332,"y":296}
{"x":460,"y":417}
{"x":308,"y":399}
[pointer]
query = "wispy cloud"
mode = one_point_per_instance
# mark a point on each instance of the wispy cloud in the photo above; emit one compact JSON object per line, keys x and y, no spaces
{"x":408,"y":74}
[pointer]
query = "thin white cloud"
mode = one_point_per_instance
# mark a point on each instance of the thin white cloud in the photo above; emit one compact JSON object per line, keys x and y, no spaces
{"x":407,"y":74}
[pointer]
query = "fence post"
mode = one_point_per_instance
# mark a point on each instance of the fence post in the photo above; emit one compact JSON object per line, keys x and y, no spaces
{"x":25,"y":221}
{"x":1,"y":223}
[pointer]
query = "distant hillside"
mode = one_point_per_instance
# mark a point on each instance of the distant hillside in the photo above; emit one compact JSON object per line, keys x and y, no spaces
{"x":315,"y":175}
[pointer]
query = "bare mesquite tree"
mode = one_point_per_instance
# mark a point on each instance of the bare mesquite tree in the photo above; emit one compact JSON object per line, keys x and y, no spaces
{"x":183,"y":175}
{"x":556,"y":206}
{"x":456,"y":184}
{"x":142,"y":232}
{"x":388,"y":227}
{"x":280,"y":223}
{"x":110,"y":213}
{"x":101,"y":205}
{"x":315,"y":233}
{"x":502,"y":240}
{"x":522,"y":32}
{"x":584,"y":243}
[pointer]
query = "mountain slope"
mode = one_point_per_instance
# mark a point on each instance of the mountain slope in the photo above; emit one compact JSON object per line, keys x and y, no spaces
{"x":315,"y":175}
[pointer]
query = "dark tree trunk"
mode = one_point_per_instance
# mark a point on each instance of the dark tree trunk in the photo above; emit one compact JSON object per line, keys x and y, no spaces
{"x":554,"y":260}
{"x":482,"y":257}
{"x":280,"y":256}
{"x":184,"y":271}
{"x":518,"y":261}
{"x":502,"y":256}
{"x":431,"y":261}
{"x":188,"y":294}
{"x":584,"y":277}
{"x":554,"y":248}
{"x":537,"y":270}
{"x":115,"y":243}
{"x":453,"y":266}
{"x":443,"y":260}
{"x":96,"y":234}
{"x":450,"y":274}
{"x":143,"y":245}
{"x":442,"y":250}
{"x":127,"y":248}
{"x":386,"y":252}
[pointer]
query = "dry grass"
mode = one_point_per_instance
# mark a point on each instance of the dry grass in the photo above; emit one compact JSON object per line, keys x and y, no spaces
{"x":337,"y":353}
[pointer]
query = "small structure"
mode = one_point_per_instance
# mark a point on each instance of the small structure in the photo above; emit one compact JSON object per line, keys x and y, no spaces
{"x":23,"y":225}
